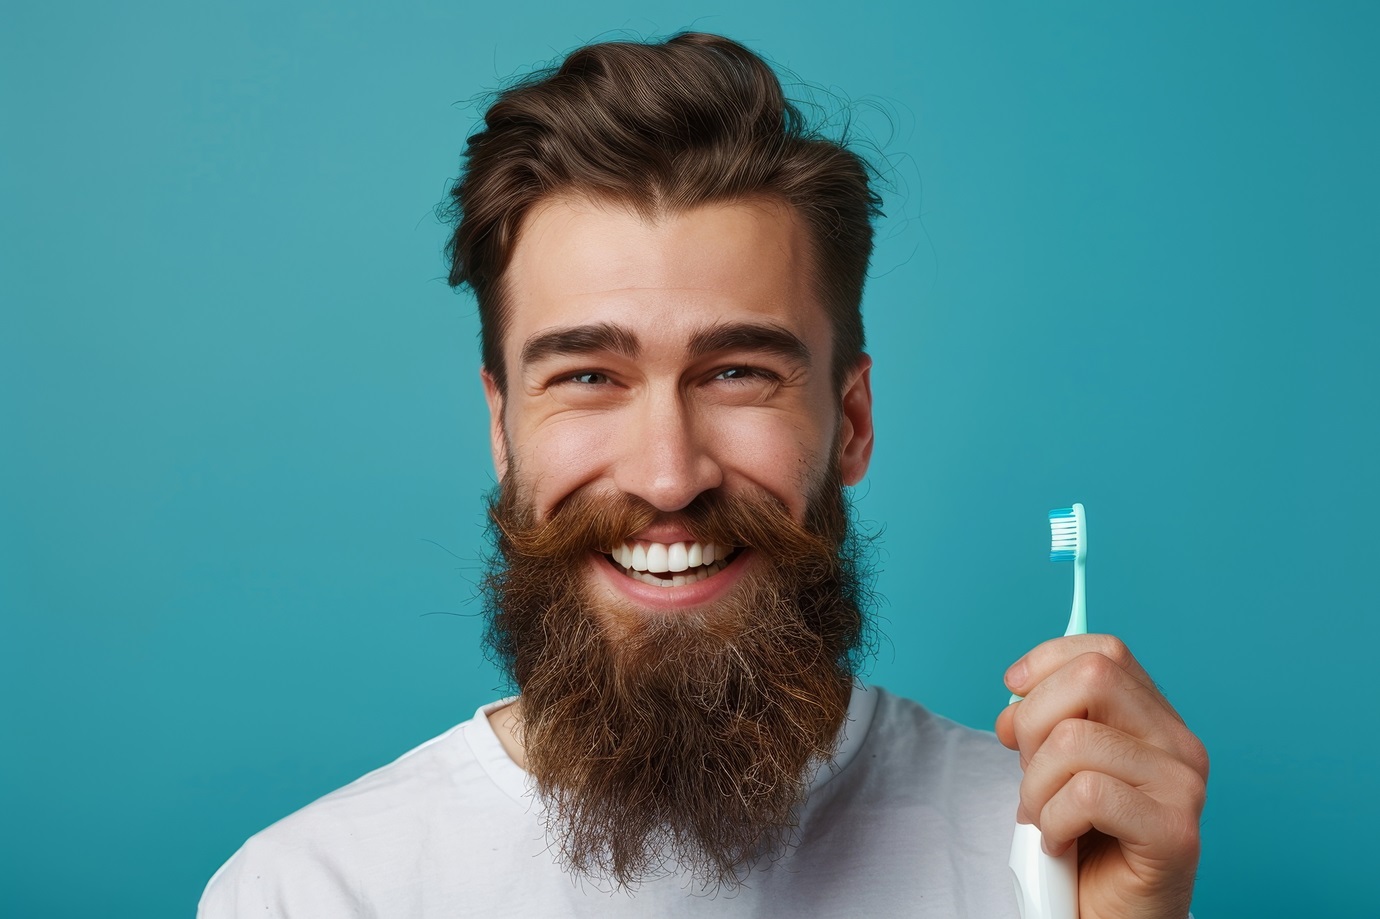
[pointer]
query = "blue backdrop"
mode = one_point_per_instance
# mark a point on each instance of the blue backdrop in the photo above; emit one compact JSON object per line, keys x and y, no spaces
{"x":1129,"y":259}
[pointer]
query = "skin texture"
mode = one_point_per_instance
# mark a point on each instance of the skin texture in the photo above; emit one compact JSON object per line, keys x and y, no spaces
{"x":659,"y":424}
{"x":1104,"y":752}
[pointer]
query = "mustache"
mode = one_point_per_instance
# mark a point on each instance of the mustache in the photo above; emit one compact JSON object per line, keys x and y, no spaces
{"x":594,"y":520}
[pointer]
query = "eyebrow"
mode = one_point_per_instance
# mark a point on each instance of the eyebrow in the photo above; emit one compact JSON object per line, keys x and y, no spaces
{"x":580,"y":339}
{"x":606,"y":336}
{"x":750,"y":336}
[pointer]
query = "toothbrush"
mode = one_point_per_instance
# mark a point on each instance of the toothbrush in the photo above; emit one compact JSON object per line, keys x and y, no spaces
{"x":1047,"y":887}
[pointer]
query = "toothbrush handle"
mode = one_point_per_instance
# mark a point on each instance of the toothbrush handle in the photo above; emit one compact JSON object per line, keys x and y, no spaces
{"x":1046,"y":886}
{"x":1078,"y":618}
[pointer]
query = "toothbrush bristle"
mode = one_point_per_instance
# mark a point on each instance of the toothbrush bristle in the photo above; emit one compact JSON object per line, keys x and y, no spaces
{"x":1063,"y":535}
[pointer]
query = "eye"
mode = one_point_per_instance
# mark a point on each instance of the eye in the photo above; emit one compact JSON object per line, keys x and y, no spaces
{"x":586,"y":378}
{"x":743,"y":385}
{"x":745,"y":375}
{"x":585,"y":388}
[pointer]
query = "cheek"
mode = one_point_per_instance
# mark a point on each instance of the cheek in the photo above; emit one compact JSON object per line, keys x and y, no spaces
{"x":557,"y":459}
{"x":782,"y":452}
{"x":783,"y":455}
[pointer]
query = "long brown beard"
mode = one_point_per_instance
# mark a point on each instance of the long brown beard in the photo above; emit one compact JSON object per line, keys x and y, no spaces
{"x":675,"y":742}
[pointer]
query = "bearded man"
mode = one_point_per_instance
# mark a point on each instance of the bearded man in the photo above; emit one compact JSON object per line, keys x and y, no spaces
{"x":669,"y":267}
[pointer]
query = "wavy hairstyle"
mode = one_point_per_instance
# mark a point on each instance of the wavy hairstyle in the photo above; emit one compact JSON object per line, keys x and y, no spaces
{"x":658,"y":127}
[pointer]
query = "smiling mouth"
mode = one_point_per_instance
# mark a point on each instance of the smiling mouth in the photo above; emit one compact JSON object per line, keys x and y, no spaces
{"x":671,"y":564}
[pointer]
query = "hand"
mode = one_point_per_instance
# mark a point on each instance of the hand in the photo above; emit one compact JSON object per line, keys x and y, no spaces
{"x":1108,"y":762}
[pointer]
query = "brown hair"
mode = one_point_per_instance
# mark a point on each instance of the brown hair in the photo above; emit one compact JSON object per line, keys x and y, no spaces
{"x":658,"y":127}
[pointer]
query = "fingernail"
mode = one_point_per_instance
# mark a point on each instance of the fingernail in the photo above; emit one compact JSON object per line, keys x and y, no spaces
{"x":1022,"y":816}
{"x":1015,"y":675}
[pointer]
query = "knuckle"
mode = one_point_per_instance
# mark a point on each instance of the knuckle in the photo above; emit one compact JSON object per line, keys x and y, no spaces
{"x":1087,"y":789}
{"x":1115,"y":650}
{"x":1068,"y":736}
{"x":1182,"y":784}
{"x":1196,"y":789}
{"x":1184,"y":834}
{"x":1096,"y":670}
{"x":1198,"y":757}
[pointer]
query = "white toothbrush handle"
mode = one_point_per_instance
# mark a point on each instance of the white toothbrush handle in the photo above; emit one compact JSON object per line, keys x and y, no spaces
{"x":1046,"y":886}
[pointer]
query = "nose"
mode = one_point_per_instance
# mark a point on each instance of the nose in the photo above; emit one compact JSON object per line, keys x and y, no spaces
{"x":667,"y":457}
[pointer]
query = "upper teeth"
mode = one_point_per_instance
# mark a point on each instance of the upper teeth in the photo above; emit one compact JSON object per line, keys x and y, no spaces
{"x":659,"y":557}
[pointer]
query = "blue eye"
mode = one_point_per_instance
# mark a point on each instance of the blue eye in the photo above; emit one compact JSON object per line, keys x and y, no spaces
{"x":743,"y":374}
{"x":589,"y":378}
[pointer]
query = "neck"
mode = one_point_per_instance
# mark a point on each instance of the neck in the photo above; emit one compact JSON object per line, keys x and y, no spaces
{"x":504,"y":722}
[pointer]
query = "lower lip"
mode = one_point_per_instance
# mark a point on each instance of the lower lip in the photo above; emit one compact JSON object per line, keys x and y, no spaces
{"x":672,"y":599}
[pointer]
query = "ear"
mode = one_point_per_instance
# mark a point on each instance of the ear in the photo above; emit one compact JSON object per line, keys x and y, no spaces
{"x":498,"y":443}
{"x":855,"y":425}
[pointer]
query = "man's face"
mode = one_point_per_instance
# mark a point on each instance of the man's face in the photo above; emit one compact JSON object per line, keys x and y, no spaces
{"x":676,"y":592}
{"x":663,"y":360}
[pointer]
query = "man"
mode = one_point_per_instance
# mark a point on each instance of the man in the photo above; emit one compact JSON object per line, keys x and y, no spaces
{"x":669,"y":268}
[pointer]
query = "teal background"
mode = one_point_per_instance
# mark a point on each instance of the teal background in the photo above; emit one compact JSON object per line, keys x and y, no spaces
{"x":1129,"y":259}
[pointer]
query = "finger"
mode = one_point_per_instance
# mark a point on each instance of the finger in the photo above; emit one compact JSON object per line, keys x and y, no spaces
{"x":1093,"y":687}
{"x":1047,"y":657}
{"x":1078,"y":745}
{"x":1154,"y":832}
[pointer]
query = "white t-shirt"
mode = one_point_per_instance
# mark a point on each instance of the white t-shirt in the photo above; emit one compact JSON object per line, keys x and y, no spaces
{"x":913,"y":817}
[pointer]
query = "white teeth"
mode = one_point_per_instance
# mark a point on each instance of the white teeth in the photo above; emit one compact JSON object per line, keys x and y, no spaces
{"x":680,"y":580}
{"x":645,"y":560}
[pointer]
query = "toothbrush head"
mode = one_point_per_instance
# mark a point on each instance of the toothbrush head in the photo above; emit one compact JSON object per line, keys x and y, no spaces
{"x":1068,"y":534}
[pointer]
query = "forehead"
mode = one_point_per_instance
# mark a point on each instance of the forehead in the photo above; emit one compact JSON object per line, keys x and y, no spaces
{"x":579,"y":261}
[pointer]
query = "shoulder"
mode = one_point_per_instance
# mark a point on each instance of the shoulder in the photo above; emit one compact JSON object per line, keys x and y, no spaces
{"x":335,"y":854}
{"x":910,"y":747}
{"x":926,"y":806}
{"x":905,"y":722}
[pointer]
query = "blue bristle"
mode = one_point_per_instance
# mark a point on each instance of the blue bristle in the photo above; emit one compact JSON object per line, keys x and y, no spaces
{"x":1063,"y":555}
{"x":1061,"y":512}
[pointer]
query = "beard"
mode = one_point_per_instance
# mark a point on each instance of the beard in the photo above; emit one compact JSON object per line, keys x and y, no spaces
{"x":683,"y":740}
